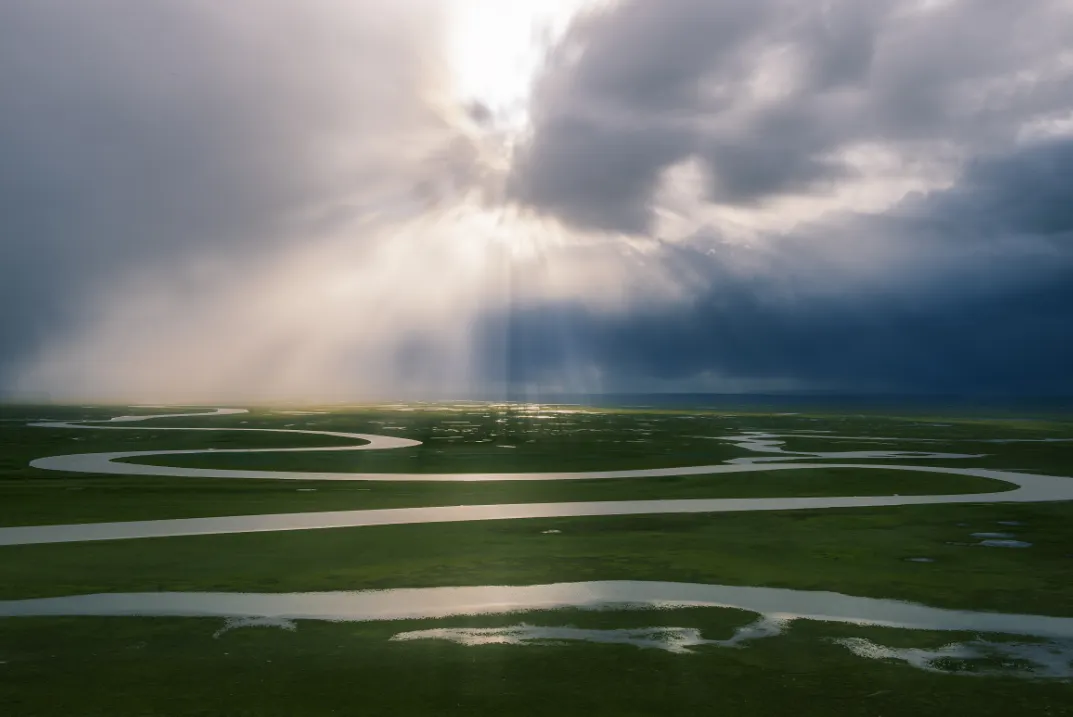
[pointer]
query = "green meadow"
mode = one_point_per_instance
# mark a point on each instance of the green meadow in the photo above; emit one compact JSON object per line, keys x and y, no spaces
{"x":120,"y":666}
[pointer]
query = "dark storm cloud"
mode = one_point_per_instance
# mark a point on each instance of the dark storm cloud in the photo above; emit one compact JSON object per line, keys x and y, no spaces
{"x":607,"y":121}
{"x":974,"y":294}
{"x":1026,"y":194}
{"x":965,"y":289}
{"x":138,"y":133}
{"x":187,"y":140}
{"x":769,"y":94}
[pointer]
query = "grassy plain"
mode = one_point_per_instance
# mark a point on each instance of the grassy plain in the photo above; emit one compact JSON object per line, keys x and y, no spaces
{"x":857,"y":552}
{"x":98,"y":667}
{"x":480,"y":439}
{"x":142,"y":666}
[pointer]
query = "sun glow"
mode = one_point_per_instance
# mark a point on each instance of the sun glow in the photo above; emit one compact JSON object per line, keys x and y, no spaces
{"x":409,"y":285}
{"x":497,"y":47}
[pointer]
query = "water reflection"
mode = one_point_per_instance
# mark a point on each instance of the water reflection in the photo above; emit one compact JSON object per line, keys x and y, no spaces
{"x":777,"y":609}
{"x":415,"y":603}
{"x":678,"y":640}
{"x":1005,"y":544}
{"x":979,"y":657}
{"x":982,"y":658}
{"x":763,"y":442}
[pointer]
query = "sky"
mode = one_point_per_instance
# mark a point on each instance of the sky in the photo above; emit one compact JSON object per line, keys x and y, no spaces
{"x":352,"y":199}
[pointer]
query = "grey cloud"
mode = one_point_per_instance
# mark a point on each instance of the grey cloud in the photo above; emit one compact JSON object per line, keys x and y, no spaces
{"x":652,"y":83}
{"x":610,"y":172}
{"x":1028,"y":193}
{"x":606,"y":124}
{"x":967,"y":290}
{"x":138,"y":133}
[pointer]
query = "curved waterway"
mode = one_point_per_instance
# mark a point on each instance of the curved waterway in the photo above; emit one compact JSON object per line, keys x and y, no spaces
{"x":777,"y":604}
{"x":1028,"y":488}
{"x":777,"y":608}
{"x":764,"y":442}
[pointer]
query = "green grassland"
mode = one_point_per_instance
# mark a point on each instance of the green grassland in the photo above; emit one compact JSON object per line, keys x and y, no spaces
{"x":90,"y":499}
{"x":853,"y":551}
{"x":97,"y":667}
{"x":473,"y":441}
{"x":142,"y":666}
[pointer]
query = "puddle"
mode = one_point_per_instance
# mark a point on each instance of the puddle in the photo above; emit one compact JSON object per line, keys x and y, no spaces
{"x":1010,"y":522}
{"x":1005,"y":544}
{"x":235,"y":623}
{"x":920,"y":560}
{"x":672,"y":639}
{"x":992,"y":535}
{"x":981,"y":658}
